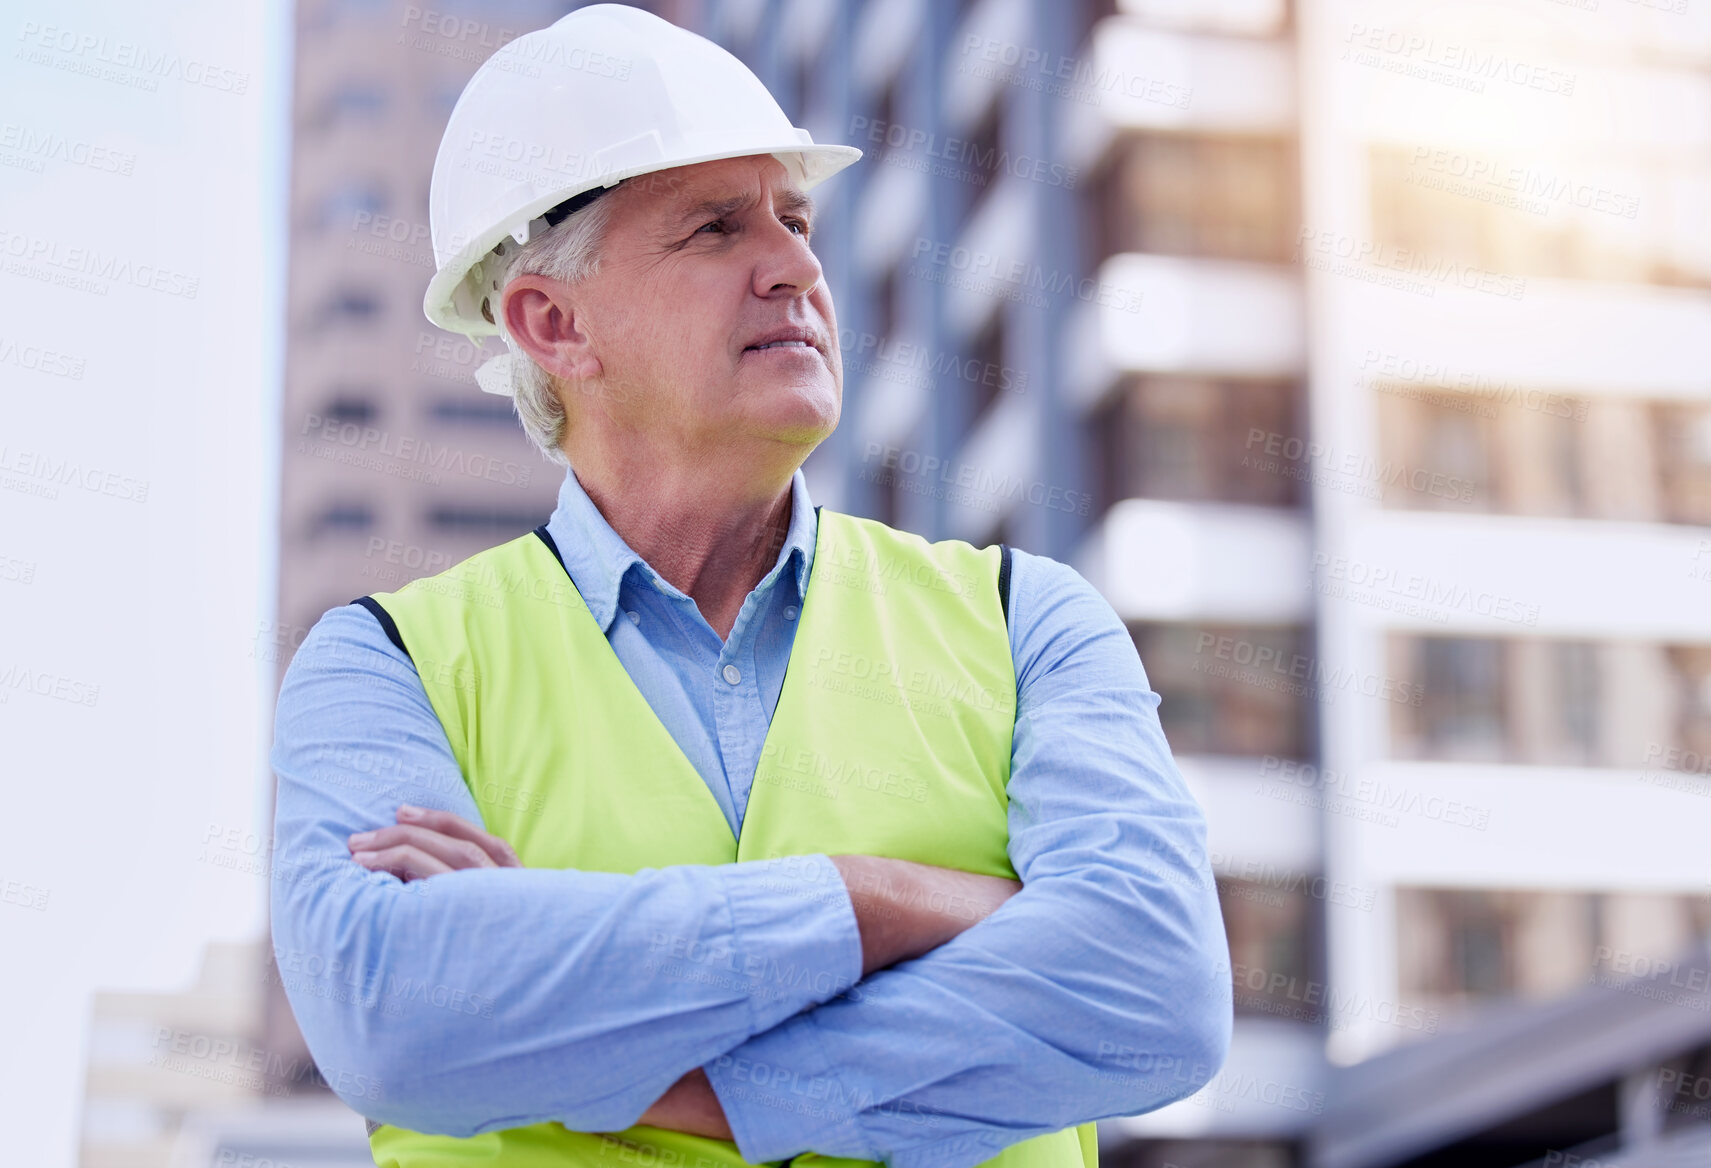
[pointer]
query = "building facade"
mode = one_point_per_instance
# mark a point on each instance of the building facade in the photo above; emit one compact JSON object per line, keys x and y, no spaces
{"x":1357,"y":352}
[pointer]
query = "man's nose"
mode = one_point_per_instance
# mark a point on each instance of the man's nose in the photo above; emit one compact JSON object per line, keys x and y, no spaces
{"x":789,"y":267}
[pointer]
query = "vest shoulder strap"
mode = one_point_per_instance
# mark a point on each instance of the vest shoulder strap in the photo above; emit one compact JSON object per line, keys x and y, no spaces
{"x":552,"y":547}
{"x":387,"y":624}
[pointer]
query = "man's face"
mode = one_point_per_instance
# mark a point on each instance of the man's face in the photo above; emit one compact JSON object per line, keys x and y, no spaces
{"x":701,"y":265}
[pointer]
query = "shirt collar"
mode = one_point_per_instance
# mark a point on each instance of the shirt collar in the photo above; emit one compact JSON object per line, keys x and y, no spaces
{"x":597,"y":557}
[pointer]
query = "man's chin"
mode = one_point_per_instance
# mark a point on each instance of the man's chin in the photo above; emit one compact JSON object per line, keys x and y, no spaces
{"x":800,"y":421}
{"x":810,"y":389}
{"x":797,"y":366}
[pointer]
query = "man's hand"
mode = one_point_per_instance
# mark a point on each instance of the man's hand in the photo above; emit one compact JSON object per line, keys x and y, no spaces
{"x":426,"y":843}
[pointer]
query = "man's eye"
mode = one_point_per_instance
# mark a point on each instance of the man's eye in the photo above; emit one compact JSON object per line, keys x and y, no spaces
{"x":721,"y":227}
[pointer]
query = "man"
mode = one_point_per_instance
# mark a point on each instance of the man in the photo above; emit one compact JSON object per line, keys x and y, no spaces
{"x":685,"y":830}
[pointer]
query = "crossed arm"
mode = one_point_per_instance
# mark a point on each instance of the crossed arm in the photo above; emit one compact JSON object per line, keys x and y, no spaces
{"x":902,"y":910}
{"x":1093,"y":992}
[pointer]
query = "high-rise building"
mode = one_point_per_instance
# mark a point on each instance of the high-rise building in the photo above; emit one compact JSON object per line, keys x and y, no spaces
{"x":1507,"y":258}
{"x":1070,"y":303}
{"x":1507,"y":261}
{"x":395,"y":465}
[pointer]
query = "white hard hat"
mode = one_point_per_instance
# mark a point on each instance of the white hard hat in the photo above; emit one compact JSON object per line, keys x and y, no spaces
{"x":605,"y":93}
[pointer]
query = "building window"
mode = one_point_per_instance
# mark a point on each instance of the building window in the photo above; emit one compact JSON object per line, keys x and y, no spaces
{"x":1274,"y":950}
{"x":1543,"y":701}
{"x":1692,"y":668}
{"x":886,"y":309}
{"x":1196,"y":440}
{"x":347,"y":306}
{"x":350,"y":101}
{"x":803,"y":73}
{"x":980,"y":155}
{"x":988,"y":361}
{"x":342,"y":517}
{"x":1463,"y":698}
{"x":1459,"y":946}
{"x":885,"y":112}
{"x":1215,"y":701}
{"x":488,"y":524}
{"x":1563,"y":465}
{"x":473,"y":412}
{"x":1432,"y":206}
{"x":319,"y":18}
{"x":1495,"y":447}
{"x":342,"y":206}
{"x":1216,"y":197}
{"x":1682,"y":434}
{"x":1574,"y":667}
{"x":366,"y":9}
{"x":347,"y":406}
{"x":1503,"y":448}
{"x":1438,"y":455}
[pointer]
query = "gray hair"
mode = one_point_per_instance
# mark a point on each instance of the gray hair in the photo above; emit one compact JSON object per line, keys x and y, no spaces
{"x":569,"y":252}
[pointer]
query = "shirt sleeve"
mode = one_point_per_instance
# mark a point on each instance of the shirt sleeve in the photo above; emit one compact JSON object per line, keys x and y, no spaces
{"x":1098,"y":990}
{"x":491,"y":998}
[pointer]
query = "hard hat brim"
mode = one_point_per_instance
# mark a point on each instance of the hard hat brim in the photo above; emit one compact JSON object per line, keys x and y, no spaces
{"x":816,"y":163}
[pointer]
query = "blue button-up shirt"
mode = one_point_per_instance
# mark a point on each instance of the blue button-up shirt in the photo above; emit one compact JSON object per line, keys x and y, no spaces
{"x":485,"y":999}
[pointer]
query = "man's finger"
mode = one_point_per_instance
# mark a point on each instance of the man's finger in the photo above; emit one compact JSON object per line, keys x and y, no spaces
{"x":454,"y":853}
{"x":446,"y":823}
{"x":404,"y":861}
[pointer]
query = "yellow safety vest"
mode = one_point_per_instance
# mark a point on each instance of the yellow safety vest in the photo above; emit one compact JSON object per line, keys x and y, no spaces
{"x":891,"y":738}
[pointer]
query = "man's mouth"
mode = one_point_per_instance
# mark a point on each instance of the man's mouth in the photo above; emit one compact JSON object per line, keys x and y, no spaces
{"x":786,"y":337}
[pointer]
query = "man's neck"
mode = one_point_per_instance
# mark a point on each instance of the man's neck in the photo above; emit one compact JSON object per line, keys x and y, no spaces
{"x":710,"y":543}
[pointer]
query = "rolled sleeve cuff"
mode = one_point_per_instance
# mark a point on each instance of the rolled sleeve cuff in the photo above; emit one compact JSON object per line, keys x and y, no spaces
{"x":795,"y":939}
{"x":782,"y":1097}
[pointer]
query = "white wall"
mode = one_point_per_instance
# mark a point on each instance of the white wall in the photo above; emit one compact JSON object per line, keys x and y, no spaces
{"x":136,"y":579}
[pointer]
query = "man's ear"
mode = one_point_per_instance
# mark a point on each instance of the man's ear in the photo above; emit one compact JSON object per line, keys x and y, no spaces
{"x":541,"y":317}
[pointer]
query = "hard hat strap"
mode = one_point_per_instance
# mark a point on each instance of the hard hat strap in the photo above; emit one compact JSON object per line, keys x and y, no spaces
{"x":556,"y":215}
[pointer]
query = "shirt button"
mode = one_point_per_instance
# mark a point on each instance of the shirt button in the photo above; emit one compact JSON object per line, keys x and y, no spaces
{"x":635,"y":617}
{"x":733,"y":674}
{"x":790,"y":613}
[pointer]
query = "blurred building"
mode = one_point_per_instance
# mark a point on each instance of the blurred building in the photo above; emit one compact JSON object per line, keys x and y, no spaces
{"x":1357,"y":351}
{"x":1509,"y":385}
{"x":1506,"y":256}
{"x":187,"y":1080}
{"x":1071,"y":302}
{"x":394,"y":465}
